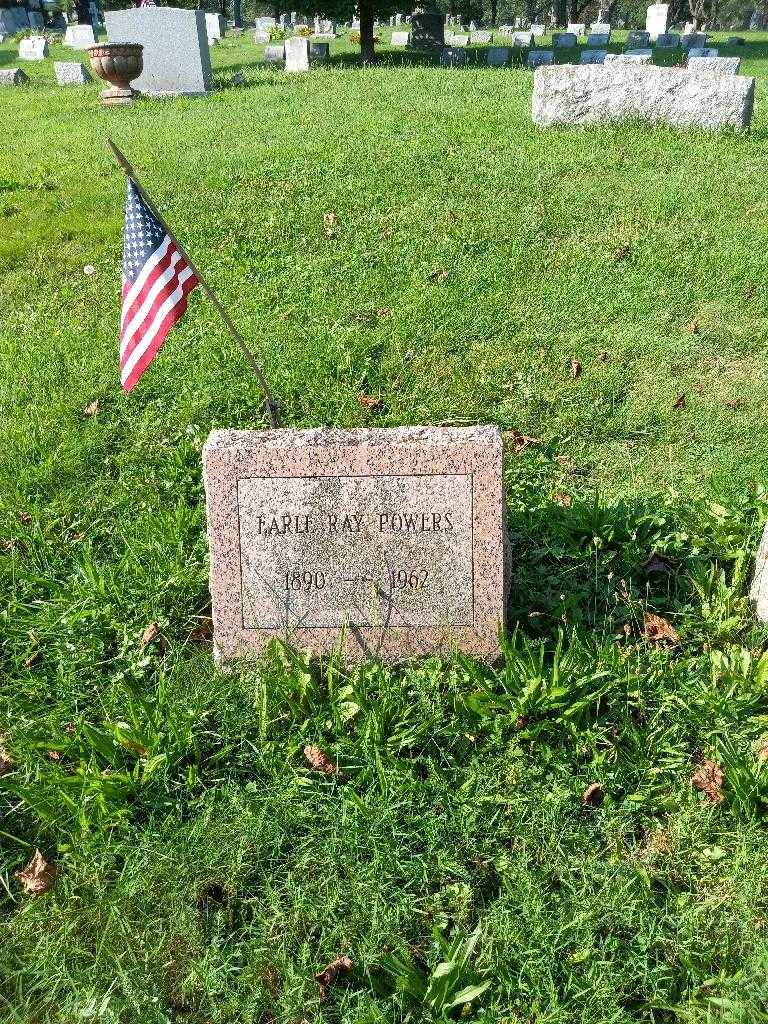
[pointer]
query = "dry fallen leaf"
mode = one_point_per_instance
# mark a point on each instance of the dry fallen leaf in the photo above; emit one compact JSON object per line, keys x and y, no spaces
{"x":330,"y":223}
{"x":658,"y":630}
{"x":593,"y":795}
{"x":621,"y":252}
{"x":38,"y":876}
{"x":319,"y":761}
{"x":6,"y":761}
{"x":336,"y":969}
{"x":563,"y":499}
{"x":150,"y":633}
{"x":438,"y":275}
{"x":54,"y":755}
{"x":9,"y":544}
{"x":709,"y":779}
{"x":202,"y":631}
{"x":34,"y":659}
{"x":25,"y":518}
{"x":762,"y":750}
{"x":749,"y":291}
{"x":603,"y":357}
{"x":575,"y":368}
{"x":384,"y":314}
{"x":369,"y":402}
{"x":519,"y":442}
{"x":92,"y":409}
{"x":679,"y":402}
{"x":657,"y":563}
{"x":694,"y":327}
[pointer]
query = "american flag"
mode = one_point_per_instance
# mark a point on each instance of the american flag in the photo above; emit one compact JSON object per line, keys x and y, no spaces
{"x":156,"y":282}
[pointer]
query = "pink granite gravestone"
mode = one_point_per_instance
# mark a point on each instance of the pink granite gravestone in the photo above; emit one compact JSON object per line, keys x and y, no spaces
{"x":379,"y":543}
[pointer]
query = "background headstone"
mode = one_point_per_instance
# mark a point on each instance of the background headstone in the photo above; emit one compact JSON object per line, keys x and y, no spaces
{"x":13,"y":76}
{"x":715,"y":65}
{"x":296,"y":54}
{"x":703,"y":51}
{"x":540,"y":58}
{"x":177,"y":57}
{"x":400,"y":38}
{"x":390,"y":542}
{"x":629,"y":58}
{"x":577,"y":27}
{"x":565,"y":39}
{"x":480,"y":37}
{"x":656,"y":20}
{"x":592,"y":56}
{"x":571,"y":95}
{"x":274,"y":54}
{"x":215,"y":25}
{"x":80,"y":37}
{"x":457,"y":40}
{"x":33,"y":48}
{"x":636,"y":40}
{"x":68,"y":73}
{"x":319,"y":52}
{"x":453,"y":57}
{"x":668,"y":41}
{"x":498,"y":56}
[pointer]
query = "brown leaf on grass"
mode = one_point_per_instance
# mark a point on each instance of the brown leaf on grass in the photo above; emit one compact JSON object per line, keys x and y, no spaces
{"x":438,"y":275}
{"x":369,"y":402}
{"x":319,"y":761}
{"x":593,"y":795}
{"x":6,"y":761}
{"x":53,"y":755}
{"x":25,"y":518}
{"x":452,"y":218}
{"x":575,"y":368}
{"x":330,"y":223}
{"x":34,"y":659}
{"x":621,"y":252}
{"x":657,"y":563}
{"x":384,"y":313}
{"x":519,"y":442}
{"x":9,"y":544}
{"x":202,"y":631}
{"x":93,"y":409}
{"x":709,"y":779}
{"x":694,"y":327}
{"x":762,"y":750}
{"x":749,"y":291}
{"x":38,"y":876}
{"x":336,"y":969}
{"x":658,"y":630}
{"x":562,"y":499}
{"x":679,"y":402}
{"x":603,"y":357}
{"x":152,"y":632}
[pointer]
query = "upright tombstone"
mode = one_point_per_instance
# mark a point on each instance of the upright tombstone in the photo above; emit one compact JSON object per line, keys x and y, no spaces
{"x":427,"y":28}
{"x":36,"y":20}
{"x":453,"y":57}
{"x":69,"y":73}
{"x":457,"y":40}
{"x":577,"y":27}
{"x":319,"y":53}
{"x":215,"y":26}
{"x":703,"y":51}
{"x":565,"y":39}
{"x":261,"y":36}
{"x":480,"y":37}
{"x":20,"y":18}
{"x":656,"y":20}
{"x":637,"y":40}
{"x":498,"y":56}
{"x":759,"y":590}
{"x":7,"y":22}
{"x":641,"y":51}
{"x":80,"y":37}
{"x":385,"y":543}
{"x":693,"y":40}
{"x":274,"y":54}
{"x":177,"y":57}
{"x":33,"y":48}
{"x":668,"y":41}
{"x":296,"y":54}
{"x":592,"y":56}
{"x":538,"y":30}
{"x":524,"y":39}
{"x":597,"y":40}
{"x":540,"y":58}
{"x":400,"y":38}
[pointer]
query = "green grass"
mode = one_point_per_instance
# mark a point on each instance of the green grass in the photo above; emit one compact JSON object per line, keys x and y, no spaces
{"x":205,"y":874}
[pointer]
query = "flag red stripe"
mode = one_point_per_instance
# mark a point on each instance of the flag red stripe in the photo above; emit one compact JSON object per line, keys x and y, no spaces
{"x":135,"y":332}
{"x":137,"y":285}
{"x":143,"y":362}
{"x":161,"y":331}
{"x":139,"y":297}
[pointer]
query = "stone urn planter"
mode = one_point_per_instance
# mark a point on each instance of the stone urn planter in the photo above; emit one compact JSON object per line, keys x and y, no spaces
{"x":118,"y":64}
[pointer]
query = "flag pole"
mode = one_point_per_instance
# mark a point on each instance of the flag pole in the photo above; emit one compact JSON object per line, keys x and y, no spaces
{"x":271,"y":408}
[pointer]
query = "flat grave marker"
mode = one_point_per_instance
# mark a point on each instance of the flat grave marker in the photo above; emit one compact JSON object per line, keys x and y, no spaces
{"x":386,"y":542}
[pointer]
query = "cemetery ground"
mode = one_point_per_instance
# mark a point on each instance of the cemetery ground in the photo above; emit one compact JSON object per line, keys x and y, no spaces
{"x":579,"y":832}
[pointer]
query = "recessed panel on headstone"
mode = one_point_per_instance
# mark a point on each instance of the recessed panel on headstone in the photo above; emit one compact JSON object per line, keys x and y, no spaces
{"x":384,"y":543}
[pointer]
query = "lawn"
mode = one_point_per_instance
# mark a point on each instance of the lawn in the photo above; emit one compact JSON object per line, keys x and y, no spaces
{"x":600,"y":293}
